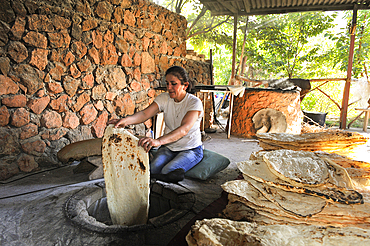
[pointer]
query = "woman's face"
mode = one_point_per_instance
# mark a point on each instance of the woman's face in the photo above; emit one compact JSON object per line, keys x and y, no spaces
{"x":175,"y":89}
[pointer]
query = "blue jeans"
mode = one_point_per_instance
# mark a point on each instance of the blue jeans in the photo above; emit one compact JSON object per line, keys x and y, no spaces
{"x":166,"y":160}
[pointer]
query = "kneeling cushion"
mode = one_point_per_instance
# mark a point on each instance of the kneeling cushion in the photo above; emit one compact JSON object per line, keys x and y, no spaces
{"x":211,"y":164}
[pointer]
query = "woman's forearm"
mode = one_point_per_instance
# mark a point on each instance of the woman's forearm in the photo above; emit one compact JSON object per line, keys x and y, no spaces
{"x":138,"y":117}
{"x":174,"y":135}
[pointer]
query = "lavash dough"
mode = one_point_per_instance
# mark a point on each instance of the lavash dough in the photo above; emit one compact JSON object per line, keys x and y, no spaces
{"x":126,"y":174}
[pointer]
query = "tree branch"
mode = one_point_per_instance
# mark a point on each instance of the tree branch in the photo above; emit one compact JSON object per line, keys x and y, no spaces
{"x":207,"y":29}
{"x":201,"y":14}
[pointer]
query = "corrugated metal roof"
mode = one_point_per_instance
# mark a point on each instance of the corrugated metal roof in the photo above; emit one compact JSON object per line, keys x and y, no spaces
{"x":263,"y":7}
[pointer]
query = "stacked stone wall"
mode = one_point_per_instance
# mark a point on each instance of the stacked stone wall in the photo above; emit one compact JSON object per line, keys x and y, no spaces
{"x":68,"y":66}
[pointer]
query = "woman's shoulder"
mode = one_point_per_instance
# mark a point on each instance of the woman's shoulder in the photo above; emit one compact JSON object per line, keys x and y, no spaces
{"x":162,"y":96}
{"x":193,"y":97}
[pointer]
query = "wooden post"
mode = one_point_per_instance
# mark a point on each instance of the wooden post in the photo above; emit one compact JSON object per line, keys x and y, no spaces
{"x":211,"y":65}
{"x":242,"y":60}
{"x":232,"y":78}
{"x":343,"y":112}
{"x":204,"y":108}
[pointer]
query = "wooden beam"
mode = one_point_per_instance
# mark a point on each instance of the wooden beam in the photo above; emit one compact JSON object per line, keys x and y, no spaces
{"x":247,"y":6}
{"x":343,"y":112}
{"x":228,"y":6}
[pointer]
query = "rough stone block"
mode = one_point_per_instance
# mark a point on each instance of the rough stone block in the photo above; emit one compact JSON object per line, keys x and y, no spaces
{"x":4,"y":116}
{"x":17,"y":51}
{"x":60,"y":104}
{"x":17,"y":101}
{"x":28,"y":131}
{"x":88,"y":114}
{"x":36,"y":39}
{"x":39,"y":58}
{"x":70,"y":120}
{"x":51,"y":119}
{"x":20,"y":117}
{"x":27,"y":163}
{"x":34,"y":147}
{"x":38,"y":105}
{"x":99,"y":125}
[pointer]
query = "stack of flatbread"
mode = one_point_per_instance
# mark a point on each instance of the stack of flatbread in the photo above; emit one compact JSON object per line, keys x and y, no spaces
{"x":298,"y":187}
{"x":294,"y":194}
{"x":334,"y":141}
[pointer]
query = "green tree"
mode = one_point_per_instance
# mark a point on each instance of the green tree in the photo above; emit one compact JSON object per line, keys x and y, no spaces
{"x":361,"y":60}
{"x":284,"y":45}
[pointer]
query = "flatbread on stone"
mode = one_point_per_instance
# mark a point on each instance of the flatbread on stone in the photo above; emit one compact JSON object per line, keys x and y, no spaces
{"x":343,"y":171}
{"x":227,"y":232}
{"x":221,"y":232}
{"x":299,"y":168}
{"x":332,"y":141}
{"x":313,"y":138}
{"x":126,"y":174}
{"x":259,"y":171}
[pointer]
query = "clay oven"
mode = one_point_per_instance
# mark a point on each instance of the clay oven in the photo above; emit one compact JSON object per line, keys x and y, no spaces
{"x":266,"y":110}
{"x":269,"y":120}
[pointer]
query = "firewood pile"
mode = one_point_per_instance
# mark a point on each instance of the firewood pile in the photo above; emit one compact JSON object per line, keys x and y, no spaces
{"x":309,"y":128}
{"x":333,"y":141}
{"x":289,"y":197}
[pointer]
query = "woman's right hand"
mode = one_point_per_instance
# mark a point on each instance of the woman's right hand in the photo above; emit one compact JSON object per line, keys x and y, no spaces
{"x":118,"y":122}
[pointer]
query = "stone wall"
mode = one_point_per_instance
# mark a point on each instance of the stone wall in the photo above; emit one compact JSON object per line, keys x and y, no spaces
{"x":68,"y":66}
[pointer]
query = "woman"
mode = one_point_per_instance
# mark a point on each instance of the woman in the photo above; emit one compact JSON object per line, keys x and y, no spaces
{"x":180,"y":148}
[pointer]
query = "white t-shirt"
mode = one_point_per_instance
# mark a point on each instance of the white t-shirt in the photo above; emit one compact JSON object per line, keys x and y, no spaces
{"x":174,"y":112}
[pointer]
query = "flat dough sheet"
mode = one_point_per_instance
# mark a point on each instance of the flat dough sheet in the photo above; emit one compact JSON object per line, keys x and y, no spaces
{"x":227,"y":232}
{"x":126,"y":174}
{"x":297,"y":204}
{"x":259,"y":171}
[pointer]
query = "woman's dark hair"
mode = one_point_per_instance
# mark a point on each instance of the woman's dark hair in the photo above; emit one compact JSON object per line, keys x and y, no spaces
{"x":182,"y":75}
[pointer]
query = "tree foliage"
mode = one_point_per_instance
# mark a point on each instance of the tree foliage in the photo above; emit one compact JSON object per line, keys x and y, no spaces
{"x":284,"y":42}
{"x":361,"y":60}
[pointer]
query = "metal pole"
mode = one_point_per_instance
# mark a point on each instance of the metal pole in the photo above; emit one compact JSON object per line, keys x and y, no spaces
{"x":230,"y":114}
{"x":343,"y":112}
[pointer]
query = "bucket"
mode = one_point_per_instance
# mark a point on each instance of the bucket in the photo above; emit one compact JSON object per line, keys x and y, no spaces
{"x":317,"y":117}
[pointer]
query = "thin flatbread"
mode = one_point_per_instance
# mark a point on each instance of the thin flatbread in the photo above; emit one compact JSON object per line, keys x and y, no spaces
{"x":259,"y":171}
{"x":299,"y":168}
{"x":227,"y":232}
{"x":290,"y":202}
{"x":298,"y":204}
{"x":315,"y":138}
{"x":126,"y":174}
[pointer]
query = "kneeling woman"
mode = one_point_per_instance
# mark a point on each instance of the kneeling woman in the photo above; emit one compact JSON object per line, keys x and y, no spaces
{"x":181,"y":145}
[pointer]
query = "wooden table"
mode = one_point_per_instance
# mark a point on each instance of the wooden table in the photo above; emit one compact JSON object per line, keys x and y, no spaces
{"x":366,"y":110}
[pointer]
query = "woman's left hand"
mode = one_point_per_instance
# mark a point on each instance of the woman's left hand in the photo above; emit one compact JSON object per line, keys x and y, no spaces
{"x":148,"y":143}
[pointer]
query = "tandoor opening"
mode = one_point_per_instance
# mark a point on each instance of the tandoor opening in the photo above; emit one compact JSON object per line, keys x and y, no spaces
{"x":269,"y":120}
